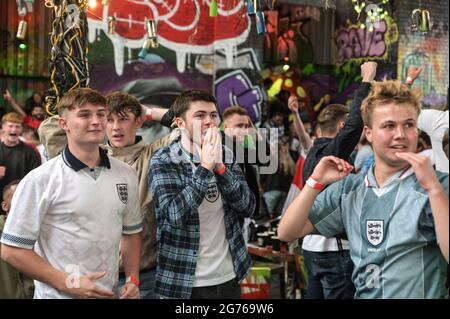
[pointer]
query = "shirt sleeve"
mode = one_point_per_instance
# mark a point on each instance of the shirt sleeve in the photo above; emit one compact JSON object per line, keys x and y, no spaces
{"x":132,"y":218}
{"x":326,"y":213}
{"x":29,"y":205}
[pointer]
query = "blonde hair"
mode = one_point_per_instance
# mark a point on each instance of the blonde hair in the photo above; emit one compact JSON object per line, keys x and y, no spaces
{"x":389,"y":91}
{"x":12,"y":117}
{"x":287,"y":164}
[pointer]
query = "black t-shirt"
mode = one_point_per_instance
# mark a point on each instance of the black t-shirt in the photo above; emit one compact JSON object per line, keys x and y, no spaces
{"x":18,"y":160}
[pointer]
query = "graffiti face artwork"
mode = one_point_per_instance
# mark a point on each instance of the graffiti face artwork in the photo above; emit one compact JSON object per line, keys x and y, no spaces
{"x":354,"y":43}
{"x":235,"y":88}
{"x":182,"y":26}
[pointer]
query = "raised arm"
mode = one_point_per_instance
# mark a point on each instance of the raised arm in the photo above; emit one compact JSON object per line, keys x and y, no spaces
{"x":346,"y":140}
{"x":303,"y":136}
{"x":8,"y":97}
{"x":295,"y":223}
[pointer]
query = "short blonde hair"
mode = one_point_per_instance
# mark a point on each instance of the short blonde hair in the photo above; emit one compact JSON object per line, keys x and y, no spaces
{"x":386,"y":92}
{"x":12,"y":117}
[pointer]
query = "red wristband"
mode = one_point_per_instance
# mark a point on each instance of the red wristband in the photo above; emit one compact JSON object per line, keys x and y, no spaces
{"x":409,"y":80}
{"x":311,"y":182}
{"x":221,"y":170}
{"x":133,"y":279}
{"x":148,"y":114}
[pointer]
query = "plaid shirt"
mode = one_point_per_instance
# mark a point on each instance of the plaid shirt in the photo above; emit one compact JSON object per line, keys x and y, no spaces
{"x":178,"y":192}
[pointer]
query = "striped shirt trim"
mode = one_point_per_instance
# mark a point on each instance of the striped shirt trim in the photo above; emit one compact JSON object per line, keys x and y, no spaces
{"x":132,"y":228}
{"x":17,"y":241}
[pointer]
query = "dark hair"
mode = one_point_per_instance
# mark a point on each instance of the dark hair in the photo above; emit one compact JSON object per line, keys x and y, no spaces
{"x":184,"y":100}
{"x":330,"y":116}
{"x":120,"y":103}
{"x":276,"y":107}
{"x":78,"y":97}
{"x":8,"y":186}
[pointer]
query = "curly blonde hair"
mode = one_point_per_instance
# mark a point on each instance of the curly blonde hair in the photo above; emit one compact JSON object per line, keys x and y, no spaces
{"x":386,"y":92}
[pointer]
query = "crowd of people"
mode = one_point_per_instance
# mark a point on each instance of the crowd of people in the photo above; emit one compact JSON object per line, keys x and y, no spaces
{"x":91,"y":211}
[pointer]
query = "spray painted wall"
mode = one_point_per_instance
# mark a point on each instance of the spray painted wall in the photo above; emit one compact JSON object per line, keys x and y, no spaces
{"x":193,"y":47}
{"x":428,"y":50}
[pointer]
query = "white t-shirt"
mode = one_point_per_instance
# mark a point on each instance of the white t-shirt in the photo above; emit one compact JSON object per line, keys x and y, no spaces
{"x":73,"y":221}
{"x":435,"y":123}
{"x":214,"y":262}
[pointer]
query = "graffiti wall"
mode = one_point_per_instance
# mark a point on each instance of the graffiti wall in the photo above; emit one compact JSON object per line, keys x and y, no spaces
{"x":193,"y":47}
{"x":297,"y":36}
{"x":428,"y":50}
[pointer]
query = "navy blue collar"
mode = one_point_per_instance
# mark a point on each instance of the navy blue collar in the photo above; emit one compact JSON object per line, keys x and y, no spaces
{"x":75,"y":164}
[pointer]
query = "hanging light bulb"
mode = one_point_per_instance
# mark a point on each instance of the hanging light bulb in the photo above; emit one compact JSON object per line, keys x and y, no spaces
{"x":152,"y":33}
{"x":425,"y":25}
{"x":111,"y":24}
{"x":22,"y":30}
{"x":92,"y":4}
{"x":213,"y":8}
{"x":251,"y":7}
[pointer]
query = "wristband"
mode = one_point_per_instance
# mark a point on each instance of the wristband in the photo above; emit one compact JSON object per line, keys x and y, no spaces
{"x":409,"y":80}
{"x":221,"y":170}
{"x":133,"y":279}
{"x":148,"y":114}
{"x":314,"y":184}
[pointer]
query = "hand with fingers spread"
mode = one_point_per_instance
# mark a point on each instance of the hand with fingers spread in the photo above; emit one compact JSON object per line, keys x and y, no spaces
{"x":129,"y":291}
{"x":211,"y":148}
{"x":330,"y":170}
{"x":87,"y":289}
{"x":423,"y":169}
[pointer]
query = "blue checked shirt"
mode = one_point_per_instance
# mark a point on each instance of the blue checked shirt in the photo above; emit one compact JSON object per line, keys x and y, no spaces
{"x":178,"y":191}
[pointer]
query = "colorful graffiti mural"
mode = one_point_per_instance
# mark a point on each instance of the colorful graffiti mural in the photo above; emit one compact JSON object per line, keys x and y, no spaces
{"x":429,"y":51}
{"x":285,"y":39}
{"x":184,"y":27}
{"x":356,"y":43}
{"x":239,"y":88}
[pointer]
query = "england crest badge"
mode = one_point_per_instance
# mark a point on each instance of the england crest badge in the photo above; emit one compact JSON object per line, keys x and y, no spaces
{"x":122,"y":191}
{"x":375,"y":231}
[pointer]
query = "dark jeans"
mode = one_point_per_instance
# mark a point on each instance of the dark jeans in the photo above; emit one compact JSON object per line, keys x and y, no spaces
{"x":228,"y":290}
{"x":329,"y":275}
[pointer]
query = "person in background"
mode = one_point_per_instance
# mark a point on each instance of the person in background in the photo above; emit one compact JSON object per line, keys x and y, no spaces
{"x":395,"y":216}
{"x":14,"y":285}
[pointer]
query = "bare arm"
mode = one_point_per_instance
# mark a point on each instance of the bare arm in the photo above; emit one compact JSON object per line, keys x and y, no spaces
{"x":131,"y":254}
{"x":153,"y":112}
{"x":8,"y":97}
{"x":303,"y":136}
{"x":295,"y":222}
{"x":32,"y":265}
{"x":437,"y":196}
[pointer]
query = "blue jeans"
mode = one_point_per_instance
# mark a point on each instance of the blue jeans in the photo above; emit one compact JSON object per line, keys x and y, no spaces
{"x":329,"y":275}
{"x":147,"y":284}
